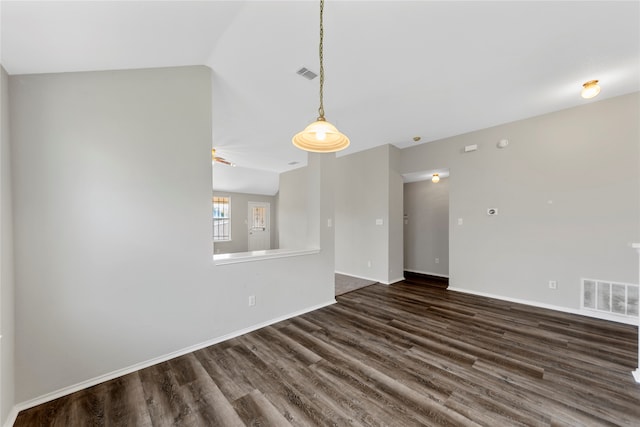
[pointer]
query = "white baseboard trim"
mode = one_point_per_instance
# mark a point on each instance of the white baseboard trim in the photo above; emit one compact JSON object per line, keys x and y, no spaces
{"x":393,"y":281}
{"x":372,"y":279}
{"x":136,"y":367}
{"x":586,"y":313}
{"x":446,"y":276}
{"x":636,"y":375}
{"x":11,"y":419}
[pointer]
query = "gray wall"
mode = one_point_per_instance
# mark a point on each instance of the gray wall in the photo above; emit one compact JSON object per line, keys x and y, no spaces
{"x":426,"y":228}
{"x":395,"y":245}
{"x":367,"y":189}
{"x":321,"y":201}
{"x":293,"y":206}
{"x":239,"y":225}
{"x":7,"y":324}
{"x":113,"y":254}
{"x":306,"y":203}
{"x":567,"y":190}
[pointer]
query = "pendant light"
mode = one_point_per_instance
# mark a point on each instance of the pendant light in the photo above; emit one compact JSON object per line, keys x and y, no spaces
{"x":321,"y":136}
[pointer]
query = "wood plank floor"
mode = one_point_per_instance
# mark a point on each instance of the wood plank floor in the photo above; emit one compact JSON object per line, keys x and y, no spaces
{"x":399,"y":355}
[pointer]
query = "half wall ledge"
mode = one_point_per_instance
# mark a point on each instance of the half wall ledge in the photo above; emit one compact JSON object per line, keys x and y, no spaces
{"x":238,"y":257}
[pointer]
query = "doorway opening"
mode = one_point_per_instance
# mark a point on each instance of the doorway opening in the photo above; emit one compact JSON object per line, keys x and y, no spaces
{"x":426,"y":226}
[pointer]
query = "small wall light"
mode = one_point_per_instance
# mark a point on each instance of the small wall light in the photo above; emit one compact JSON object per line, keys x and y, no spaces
{"x":590,"y":89}
{"x":435,"y":178}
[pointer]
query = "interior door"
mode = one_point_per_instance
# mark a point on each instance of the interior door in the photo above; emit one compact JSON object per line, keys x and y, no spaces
{"x":259,"y":226}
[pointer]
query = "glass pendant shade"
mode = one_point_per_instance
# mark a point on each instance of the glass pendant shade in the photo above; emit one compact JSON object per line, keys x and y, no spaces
{"x":321,"y":137}
{"x":590,"y":89}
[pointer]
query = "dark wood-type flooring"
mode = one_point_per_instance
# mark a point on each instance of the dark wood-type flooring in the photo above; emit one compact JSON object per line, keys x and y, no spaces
{"x":399,"y":355}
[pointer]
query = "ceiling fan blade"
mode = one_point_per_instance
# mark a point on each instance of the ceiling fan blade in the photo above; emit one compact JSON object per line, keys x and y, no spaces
{"x":217,"y":159}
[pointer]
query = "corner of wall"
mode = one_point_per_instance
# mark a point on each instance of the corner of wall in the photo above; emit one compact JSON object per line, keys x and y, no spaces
{"x":7,"y":283}
{"x":395,"y":272}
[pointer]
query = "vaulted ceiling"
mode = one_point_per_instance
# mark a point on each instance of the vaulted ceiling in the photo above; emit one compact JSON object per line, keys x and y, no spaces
{"x":394,"y":69}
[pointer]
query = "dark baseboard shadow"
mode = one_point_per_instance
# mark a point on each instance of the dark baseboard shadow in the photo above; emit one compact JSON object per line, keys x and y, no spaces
{"x":426,"y":280}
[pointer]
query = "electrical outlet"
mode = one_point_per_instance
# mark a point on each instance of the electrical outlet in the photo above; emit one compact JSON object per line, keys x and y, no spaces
{"x":252,"y":300}
{"x":437,"y":260}
{"x":553,"y":284}
{"x":369,"y":264}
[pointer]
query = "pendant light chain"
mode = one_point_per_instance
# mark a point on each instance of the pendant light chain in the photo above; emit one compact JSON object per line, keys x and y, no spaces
{"x":321,"y":136}
{"x":321,"y":108}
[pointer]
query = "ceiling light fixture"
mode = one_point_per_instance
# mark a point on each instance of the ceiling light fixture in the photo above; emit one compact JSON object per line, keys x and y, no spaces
{"x":435,"y":178}
{"x":321,"y":136}
{"x":590,"y":89}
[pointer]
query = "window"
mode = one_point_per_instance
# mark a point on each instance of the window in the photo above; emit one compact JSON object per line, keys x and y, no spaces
{"x":221,"y":219}
{"x":259,"y":218}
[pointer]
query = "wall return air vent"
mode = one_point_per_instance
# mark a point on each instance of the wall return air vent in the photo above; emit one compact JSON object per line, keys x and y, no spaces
{"x":610,"y":297}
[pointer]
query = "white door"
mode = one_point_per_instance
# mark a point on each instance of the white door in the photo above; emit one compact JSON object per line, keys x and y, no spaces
{"x":259,"y":233}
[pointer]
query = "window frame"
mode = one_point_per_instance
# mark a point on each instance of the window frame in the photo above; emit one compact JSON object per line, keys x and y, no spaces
{"x":214,"y":219}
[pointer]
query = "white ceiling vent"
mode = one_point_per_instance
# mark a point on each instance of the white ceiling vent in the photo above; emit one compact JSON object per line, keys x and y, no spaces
{"x":307,"y":74}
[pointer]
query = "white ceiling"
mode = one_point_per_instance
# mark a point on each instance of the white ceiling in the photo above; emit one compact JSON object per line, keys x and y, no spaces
{"x":424,"y":175}
{"x":394,"y":69}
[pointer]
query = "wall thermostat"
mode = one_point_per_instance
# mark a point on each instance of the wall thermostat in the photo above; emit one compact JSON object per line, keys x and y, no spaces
{"x":470,"y":148}
{"x":492,"y":211}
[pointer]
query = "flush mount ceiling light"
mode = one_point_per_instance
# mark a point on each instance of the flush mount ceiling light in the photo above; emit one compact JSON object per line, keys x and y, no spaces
{"x":590,"y":89}
{"x":321,"y":136}
{"x":435,"y":178}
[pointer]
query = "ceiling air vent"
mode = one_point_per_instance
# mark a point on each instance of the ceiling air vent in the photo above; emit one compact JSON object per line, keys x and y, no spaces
{"x":307,"y":74}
